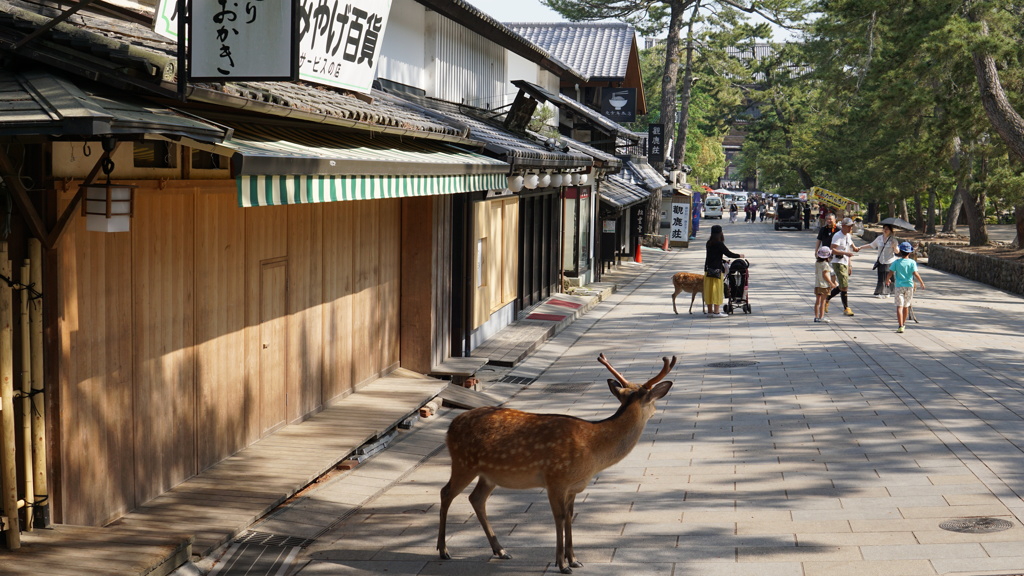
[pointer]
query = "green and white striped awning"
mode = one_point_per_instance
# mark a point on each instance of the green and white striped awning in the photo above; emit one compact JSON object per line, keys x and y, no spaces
{"x":292,"y":189}
{"x":277,"y":166}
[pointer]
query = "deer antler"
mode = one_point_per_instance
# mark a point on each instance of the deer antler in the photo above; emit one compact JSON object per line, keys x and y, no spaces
{"x":622,"y":380}
{"x":661,"y":375}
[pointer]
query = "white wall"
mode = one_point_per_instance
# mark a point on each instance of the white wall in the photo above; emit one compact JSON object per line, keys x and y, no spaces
{"x":402,"y":55}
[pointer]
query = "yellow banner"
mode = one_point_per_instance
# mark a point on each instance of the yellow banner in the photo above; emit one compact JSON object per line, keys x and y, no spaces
{"x":832,"y":199}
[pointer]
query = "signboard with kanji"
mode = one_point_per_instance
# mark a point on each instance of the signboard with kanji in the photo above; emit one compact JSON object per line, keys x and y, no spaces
{"x":243,"y":40}
{"x":679,"y":234}
{"x":833,"y":200}
{"x":655,"y":143}
{"x":336,"y":42}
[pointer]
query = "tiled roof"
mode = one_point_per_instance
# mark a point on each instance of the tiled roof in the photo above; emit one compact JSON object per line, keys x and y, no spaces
{"x":621,"y":193}
{"x":597,"y":49}
{"x":598,"y":120}
{"x":500,"y":143}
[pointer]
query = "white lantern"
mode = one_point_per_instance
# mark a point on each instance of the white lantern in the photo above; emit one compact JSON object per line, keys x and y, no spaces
{"x":584,"y":178}
{"x":574,"y":178}
{"x":515,"y":182}
{"x":531,"y":180}
{"x":545,"y":180}
{"x":108,"y":207}
{"x":556,"y":180}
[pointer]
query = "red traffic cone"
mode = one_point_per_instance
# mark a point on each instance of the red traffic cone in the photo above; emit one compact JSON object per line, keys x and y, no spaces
{"x":664,"y":246}
{"x":637,"y":257}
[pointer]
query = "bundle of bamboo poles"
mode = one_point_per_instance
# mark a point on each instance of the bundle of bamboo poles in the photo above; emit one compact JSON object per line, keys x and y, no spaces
{"x":33,"y":438}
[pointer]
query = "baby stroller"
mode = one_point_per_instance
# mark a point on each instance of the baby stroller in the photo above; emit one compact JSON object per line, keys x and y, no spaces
{"x":738,"y":283}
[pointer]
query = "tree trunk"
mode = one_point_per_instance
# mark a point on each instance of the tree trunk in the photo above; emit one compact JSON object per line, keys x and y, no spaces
{"x":1007,"y":122}
{"x":975,"y":217}
{"x":669,"y":78}
{"x":953,"y":214}
{"x":918,"y":212}
{"x":679,"y":146}
{"x":904,"y":212}
{"x":1018,"y":218}
{"x":670,"y":75}
{"x":933,"y":197}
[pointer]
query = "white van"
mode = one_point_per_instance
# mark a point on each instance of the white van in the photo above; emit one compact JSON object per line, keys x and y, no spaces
{"x":712,"y":207}
{"x":740,"y":200}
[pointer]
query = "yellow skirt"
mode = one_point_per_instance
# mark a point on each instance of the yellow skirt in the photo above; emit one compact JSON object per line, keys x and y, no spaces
{"x":714,"y":291}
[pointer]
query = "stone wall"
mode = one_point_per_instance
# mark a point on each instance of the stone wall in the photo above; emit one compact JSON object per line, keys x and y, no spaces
{"x":948,"y":257}
{"x":1003,"y":274}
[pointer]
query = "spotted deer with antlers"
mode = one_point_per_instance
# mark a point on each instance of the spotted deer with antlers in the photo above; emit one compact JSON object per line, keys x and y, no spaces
{"x":522,"y":450}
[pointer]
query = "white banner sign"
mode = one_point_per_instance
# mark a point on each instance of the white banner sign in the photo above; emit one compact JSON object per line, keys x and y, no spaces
{"x":339,"y":40}
{"x":680,"y":222}
{"x":242,"y":40}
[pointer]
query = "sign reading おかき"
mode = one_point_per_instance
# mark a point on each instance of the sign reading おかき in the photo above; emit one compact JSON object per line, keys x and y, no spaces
{"x":338,"y":41}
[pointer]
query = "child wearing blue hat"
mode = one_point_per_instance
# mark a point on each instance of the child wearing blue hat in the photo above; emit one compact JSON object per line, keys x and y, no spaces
{"x":902,"y":274}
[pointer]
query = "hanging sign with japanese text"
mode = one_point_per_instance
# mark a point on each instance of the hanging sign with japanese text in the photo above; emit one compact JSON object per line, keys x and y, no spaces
{"x":655,"y":143}
{"x":232,"y":40}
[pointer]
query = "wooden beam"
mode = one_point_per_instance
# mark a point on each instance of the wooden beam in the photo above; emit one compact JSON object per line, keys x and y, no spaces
{"x":20,"y":195}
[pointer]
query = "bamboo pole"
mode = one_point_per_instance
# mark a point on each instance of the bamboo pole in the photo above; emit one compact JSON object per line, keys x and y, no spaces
{"x":26,"y":395}
{"x":35,"y":313}
{"x":8,"y":472}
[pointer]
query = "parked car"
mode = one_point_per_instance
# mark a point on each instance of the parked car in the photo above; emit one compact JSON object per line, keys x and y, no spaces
{"x":712,"y":207}
{"x":789,"y":213}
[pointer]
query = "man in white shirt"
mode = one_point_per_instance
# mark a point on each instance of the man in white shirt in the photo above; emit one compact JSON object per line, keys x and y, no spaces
{"x":842,"y":250}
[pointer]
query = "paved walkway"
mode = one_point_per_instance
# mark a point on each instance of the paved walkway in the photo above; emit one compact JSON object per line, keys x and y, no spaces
{"x":841,"y":450}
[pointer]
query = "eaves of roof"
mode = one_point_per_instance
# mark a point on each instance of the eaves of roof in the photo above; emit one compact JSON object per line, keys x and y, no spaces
{"x":131,"y":57}
{"x":471,"y":17}
{"x":598,"y":120}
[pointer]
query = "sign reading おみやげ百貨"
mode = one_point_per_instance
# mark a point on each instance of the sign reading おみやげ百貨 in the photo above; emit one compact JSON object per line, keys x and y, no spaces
{"x":339,"y":41}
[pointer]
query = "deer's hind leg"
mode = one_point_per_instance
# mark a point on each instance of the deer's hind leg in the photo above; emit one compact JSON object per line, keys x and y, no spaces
{"x":478,"y":498}
{"x":570,"y":554}
{"x":456,"y":484}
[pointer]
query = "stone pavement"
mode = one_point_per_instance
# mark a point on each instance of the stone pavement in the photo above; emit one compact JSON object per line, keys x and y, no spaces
{"x":784,"y":448}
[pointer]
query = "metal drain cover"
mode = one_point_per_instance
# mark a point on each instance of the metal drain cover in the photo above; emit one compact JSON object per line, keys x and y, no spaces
{"x":976,"y":525}
{"x":733,"y":364}
{"x":522,"y":380}
{"x":269,"y":539}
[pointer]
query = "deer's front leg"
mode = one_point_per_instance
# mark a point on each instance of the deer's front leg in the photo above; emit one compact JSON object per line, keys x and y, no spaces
{"x":559,"y":504}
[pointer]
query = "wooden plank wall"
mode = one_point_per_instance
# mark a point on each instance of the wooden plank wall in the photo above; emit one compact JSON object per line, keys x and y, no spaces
{"x":160,"y":332}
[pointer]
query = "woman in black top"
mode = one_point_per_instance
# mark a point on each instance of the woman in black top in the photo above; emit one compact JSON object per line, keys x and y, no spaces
{"x":714,"y":289}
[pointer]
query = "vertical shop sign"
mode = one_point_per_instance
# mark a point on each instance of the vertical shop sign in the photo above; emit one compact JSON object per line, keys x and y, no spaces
{"x":655,"y":143}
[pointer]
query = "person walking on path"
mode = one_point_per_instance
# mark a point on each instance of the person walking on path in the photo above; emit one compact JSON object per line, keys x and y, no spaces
{"x":825,"y":232}
{"x":807,"y":216}
{"x":902,"y":273}
{"x":886,"y":246}
{"x":842,"y":250}
{"x":823,"y":282}
{"x":714,"y":271}
{"x":733,"y":211}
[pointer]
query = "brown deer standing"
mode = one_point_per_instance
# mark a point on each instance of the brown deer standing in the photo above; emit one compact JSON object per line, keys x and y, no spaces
{"x":688,"y":282}
{"x":522,"y":450}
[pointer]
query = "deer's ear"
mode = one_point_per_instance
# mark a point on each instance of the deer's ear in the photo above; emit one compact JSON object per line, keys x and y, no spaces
{"x":618,"y":390}
{"x":659,"y":390}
